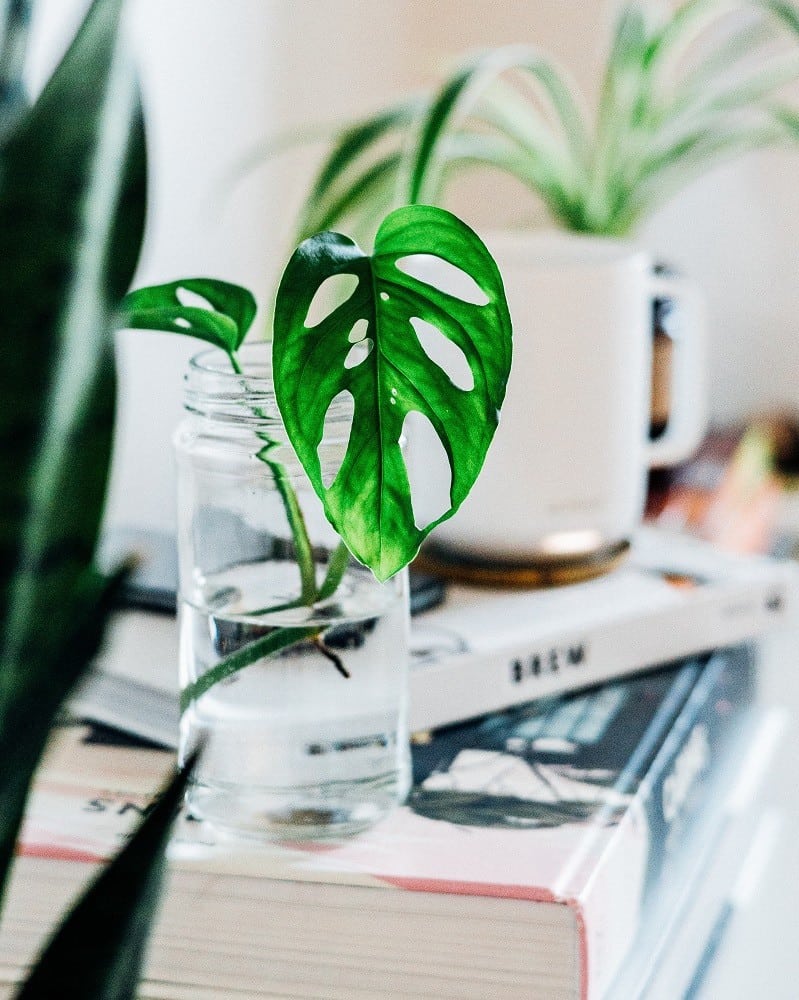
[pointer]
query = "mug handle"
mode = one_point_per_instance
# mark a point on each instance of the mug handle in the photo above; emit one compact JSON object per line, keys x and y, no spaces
{"x":688,"y":412}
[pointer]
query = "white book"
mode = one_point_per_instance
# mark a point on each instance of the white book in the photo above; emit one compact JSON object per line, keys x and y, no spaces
{"x":484,"y":650}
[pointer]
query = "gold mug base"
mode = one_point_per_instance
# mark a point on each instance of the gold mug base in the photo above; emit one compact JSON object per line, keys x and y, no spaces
{"x":543,"y":570}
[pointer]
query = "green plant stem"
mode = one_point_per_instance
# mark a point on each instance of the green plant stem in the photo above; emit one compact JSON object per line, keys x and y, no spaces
{"x":336,"y":566}
{"x":278,"y":639}
{"x":299,"y":530}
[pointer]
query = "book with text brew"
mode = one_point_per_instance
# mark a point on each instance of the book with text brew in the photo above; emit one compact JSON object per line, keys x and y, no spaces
{"x":485,"y":650}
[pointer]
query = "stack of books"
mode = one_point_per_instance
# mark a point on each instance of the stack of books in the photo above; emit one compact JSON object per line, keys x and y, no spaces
{"x":584,"y":815}
{"x":550,"y":851}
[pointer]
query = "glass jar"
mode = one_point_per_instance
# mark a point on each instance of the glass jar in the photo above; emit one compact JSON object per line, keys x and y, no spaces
{"x":293,"y":658}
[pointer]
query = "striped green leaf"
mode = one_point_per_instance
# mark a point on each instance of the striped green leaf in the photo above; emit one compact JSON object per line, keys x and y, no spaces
{"x":460,"y":94}
{"x":72,"y":177}
{"x":15,"y":18}
{"x":97,"y":952}
{"x":363,"y":157}
{"x":703,"y":64}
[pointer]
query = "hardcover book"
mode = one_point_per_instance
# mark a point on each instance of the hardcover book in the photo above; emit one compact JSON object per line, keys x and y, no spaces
{"x":485,"y":650}
{"x":531,"y":845}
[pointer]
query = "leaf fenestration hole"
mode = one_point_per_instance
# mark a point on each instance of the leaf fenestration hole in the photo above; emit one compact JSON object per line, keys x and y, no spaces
{"x":359,"y":331}
{"x":445,"y":353}
{"x":182,"y":322}
{"x":358,"y":353}
{"x":191,"y":299}
{"x":332,"y":293}
{"x":333,"y":446}
{"x":429,"y":472}
{"x":444,"y":276}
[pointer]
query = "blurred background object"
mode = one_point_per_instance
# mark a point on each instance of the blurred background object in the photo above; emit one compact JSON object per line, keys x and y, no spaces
{"x":735,"y":231}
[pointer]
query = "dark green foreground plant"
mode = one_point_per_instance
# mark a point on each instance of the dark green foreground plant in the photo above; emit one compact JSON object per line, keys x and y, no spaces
{"x":682,"y":90}
{"x":72,"y":178}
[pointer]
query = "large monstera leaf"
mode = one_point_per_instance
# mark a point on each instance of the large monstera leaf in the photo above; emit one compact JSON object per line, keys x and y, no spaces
{"x":369,"y":502}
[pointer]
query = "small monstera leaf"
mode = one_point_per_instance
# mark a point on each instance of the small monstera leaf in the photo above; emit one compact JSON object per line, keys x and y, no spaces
{"x":369,"y":346}
{"x":215,"y":311}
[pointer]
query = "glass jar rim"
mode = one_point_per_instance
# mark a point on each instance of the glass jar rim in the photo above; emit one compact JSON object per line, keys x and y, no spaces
{"x":255,"y":359}
{"x":214,"y":389}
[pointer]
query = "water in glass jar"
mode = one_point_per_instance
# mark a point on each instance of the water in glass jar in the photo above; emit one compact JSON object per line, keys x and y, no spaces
{"x":293,"y":748}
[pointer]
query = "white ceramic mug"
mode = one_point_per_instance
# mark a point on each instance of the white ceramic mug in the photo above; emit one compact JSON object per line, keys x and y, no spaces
{"x":565,"y":476}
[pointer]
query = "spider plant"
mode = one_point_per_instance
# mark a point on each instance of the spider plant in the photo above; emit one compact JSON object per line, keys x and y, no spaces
{"x":681,"y":92}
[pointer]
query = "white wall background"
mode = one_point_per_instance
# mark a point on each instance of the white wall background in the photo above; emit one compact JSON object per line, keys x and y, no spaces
{"x":219,"y":75}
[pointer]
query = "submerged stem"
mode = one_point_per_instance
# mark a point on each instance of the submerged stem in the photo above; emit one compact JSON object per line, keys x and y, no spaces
{"x":277,"y":640}
{"x":334,"y":658}
{"x":281,"y":638}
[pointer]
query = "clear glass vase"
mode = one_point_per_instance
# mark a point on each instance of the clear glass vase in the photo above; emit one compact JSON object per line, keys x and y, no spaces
{"x":293,"y":658}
